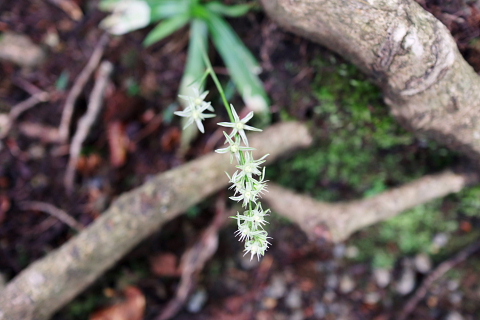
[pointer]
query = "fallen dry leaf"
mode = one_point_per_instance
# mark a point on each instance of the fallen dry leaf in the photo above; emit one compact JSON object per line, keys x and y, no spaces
{"x":165,"y":265}
{"x":133,"y":308}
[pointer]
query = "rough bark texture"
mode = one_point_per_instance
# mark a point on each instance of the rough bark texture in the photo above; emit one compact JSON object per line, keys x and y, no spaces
{"x":46,"y":285}
{"x":407,"y":51}
{"x":335,"y":222}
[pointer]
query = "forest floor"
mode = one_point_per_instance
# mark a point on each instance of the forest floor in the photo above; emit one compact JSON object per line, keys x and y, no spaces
{"x":359,"y":151}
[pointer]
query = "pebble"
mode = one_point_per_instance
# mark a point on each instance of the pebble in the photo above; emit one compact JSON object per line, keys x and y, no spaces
{"x":352,"y":252}
{"x":319,"y":310}
{"x":197,"y":301}
{"x":297,"y":315}
{"x":294,"y":299}
{"x":382,"y":277}
{"x":19,"y":49}
{"x":423,"y":263}
{"x":346,"y":284}
{"x":269,"y":303}
{"x":454,"y":315}
{"x":329,"y":296}
{"x":372,"y":297}
{"x":453,"y":285}
{"x":440,"y":240}
{"x":332,"y":281}
{"x":455,"y":298}
{"x":406,"y":283}
{"x":339,"y":251}
{"x":278,"y":287}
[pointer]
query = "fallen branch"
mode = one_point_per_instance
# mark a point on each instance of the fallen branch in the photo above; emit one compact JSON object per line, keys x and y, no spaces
{"x":411,"y":55}
{"x":53,"y":211}
{"x":194,"y":259}
{"x":20,"y":108}
{"x":436,"y":274}
{"x":86,"y":122}
{"x":78,"y":86}
{"x":337,"y":221}
{"x":48,"y":284}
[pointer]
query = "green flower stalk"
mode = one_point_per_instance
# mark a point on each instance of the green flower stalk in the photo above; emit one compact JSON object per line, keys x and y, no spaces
{"x":248,"y":182}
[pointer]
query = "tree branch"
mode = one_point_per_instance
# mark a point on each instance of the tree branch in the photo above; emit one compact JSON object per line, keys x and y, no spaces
{"x":337,"y":221}
{"x":408,"y":53}
{"x":48,"y":284}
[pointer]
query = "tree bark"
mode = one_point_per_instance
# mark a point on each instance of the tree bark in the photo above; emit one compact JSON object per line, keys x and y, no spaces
{"x":411,"y":55}
{"x":48,"y":284}
{"x":335,"y":222}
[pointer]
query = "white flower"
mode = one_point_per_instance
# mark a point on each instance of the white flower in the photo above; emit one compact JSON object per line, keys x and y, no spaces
{"x":250,"y":166}
{"x":234,"y":148}
{"x":247,"y":194}
{"x":195,"y":113}
{"x":239,"y":126}
{"x":198,"y":99}
{"x":257,"y":244}
{"x":127,"y":15}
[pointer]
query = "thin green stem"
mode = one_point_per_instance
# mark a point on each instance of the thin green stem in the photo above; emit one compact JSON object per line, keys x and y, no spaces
{"x":217,"y":84}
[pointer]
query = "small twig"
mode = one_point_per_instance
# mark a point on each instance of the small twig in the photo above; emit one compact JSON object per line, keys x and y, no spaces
{"x":436,"y":274}
{"x":194,"y":260}
{"x":79,"y":85}
{"x":53,"y":211}
{"x":86,"y":122}
{"x":21,"y":107}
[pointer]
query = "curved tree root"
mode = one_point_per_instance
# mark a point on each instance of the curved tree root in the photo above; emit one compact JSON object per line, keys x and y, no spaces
{"x":335,"y":222}
{"x":48,"y":284}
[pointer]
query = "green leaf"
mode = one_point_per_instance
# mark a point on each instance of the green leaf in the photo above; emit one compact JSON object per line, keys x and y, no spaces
{"x":195,"y":66}
{"x":240,"y":62}
{"x":166,"y":28}
{"x":229,"y":11}
{"x":162,"y":9}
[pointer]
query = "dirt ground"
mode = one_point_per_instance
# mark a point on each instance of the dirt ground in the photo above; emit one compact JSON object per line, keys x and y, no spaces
{"x":136,"y":137}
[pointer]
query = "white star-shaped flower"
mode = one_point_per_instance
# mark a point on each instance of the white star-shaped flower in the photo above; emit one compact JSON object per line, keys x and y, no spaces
{"x":239,"y":126}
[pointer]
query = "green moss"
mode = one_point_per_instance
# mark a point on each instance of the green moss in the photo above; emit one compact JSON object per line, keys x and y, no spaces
{"x":359,"y":147}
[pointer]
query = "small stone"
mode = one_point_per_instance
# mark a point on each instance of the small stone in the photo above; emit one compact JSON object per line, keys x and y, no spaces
{"x":407,"y":280}
{"x":297,"y":315}
{"x":269,"y":303}
{"x":319,"y":310}
{"x":277,"y":287}
{"x":453,"y":285}
{"x":36,"y":151}
{"x":454,"y":315}
{"x":339,"y":251}
{"x":440,"y":240}
{"x":332,"y":281}
{"x":294,"y":299}
{"x":352,"y":252}
{"x":329,"y":296}
{"x":455,"y":298}
{"x":19,"y":49}
{"x":346,"y":284}
{"x":382,"y":277}
{"x":197,"y":301}
{"x":423,"y":263}
{"x":372,"y":298}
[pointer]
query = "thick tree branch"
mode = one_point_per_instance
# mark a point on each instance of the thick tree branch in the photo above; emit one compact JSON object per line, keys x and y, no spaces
{"x":407,"y":51}
{"x":337,"y":221}
{"x":48,"y":284}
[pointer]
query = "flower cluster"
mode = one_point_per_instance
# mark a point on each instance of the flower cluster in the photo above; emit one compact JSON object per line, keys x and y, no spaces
{"x":195,"y":108}
{"x":248,"y":181}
